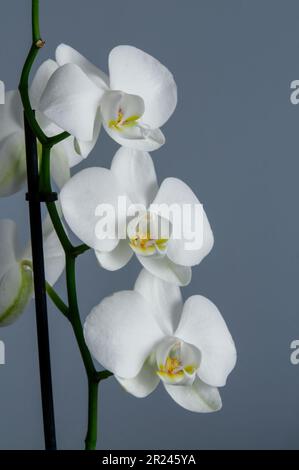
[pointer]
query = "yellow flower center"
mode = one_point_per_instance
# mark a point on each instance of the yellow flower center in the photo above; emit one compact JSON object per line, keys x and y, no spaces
{"x":172,"y":369}
{"x":120,"y":123}
{"x":145,"y":244}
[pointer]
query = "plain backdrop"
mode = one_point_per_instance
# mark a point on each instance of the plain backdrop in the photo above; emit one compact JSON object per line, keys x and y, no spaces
{"x":234,"y":140}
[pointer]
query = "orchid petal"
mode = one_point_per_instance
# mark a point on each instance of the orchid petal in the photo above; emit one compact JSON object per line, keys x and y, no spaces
{"x":12,"y":164}
{"x":203,"y":326}
{"x":121,"y":333}
{"x":199,"y":397}
{"x":66,"y":54}
{"x":82,"y":195}
{"x":165,"y":298}
{"x":16,"y":283}
{"x":11,"y":114}
{"x":71,"y":101}
{"x":53,"y":252}
{"x":40,"y":80}
{"x":139,"y":137}
{"x":8,"y":245}
{"x":190,"y":245}
{"x":121,"y":108}
{"x":144,"y":383}
{"x":166,"y":270}
{"x":136,"y":72}
{"x":117,"y":258}
{"x":16,"y":287}
{"x":82,"y":147}
{"x":60,"y":168}
{"x":136,"y":173}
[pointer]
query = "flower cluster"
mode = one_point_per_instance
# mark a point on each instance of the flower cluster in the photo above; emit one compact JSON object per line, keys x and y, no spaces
{"x":146,"y":335}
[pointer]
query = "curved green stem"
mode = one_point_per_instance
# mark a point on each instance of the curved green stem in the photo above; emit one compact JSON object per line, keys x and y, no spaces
{"x":46,"y":188}
{"x":58,"y":302}
{"x":37,"y":44}
{"x":93,"y":381}
{"x":75,"y":316}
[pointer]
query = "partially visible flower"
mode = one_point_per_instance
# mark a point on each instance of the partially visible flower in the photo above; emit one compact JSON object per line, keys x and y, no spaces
{"x":16,"y":276}
{"x":137,"y":99}
{"x":12,"y":138}
{"x":148,"y":335}
{"x":132,"y":177}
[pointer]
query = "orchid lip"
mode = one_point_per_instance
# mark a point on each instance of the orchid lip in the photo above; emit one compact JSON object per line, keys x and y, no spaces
{"x":147,"y":237}
{"x":148,"y":246}
{"x":120,"y":123}
{"x":174,"y":368}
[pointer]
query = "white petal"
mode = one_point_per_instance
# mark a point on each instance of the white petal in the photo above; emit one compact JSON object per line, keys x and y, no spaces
{"x":66,"y":54}
{"x":121,"y":333}
{"x":80,"y":197}
{"x":16,"y":287}
{"x":117,"y":258}
{"x":118,"y":107}
{"x":134,"y":71}
{"x":53,"y":252}
{"x":8,"y":245}
{"x":164,"y":348}
{"x":138,"y":137}
{"x":203,"y":326}
{"x":67,"y":147}
{"x":144,"y":383}
{"x":71,"y":101}
{"x":12,"y":164}
{"x":82,"y":147}
{"x":60,"y":168}
{"x":166,"y":300}
{"x":199,"y":397}
{"x":166,"y":270}
{"x":136,"y":173}
{"x":194,"y":239}
{"x":11,"y":114}
{"x":190,"y":355}
{"x":40,"y":80}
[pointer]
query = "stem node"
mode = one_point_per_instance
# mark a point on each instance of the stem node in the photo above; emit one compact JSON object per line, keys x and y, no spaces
{"x":40,"y":43}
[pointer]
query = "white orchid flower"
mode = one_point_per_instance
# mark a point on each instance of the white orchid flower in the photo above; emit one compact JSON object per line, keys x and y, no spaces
{"x":16,"y":276}
{"x":148,"y":334}
{"x":132,"y":177}
{"x":137,"y":99}
{"x":12,"y":138}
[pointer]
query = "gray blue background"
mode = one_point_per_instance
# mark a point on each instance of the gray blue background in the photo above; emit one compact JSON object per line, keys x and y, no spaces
{"x":234,"y":140}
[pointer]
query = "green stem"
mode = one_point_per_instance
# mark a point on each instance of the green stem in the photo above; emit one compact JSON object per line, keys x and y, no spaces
{"x":92,"y":374}
{"x":58,"y":302}
{"x":75,"y":316}
{"x":91,"y":437}
{"x":35,"y":21}
{"x":45,"y":187}
{"x":24,"y":82}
